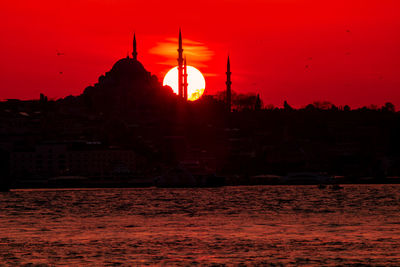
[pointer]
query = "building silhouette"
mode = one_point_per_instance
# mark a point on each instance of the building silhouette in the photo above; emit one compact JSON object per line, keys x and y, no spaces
{"x":180,"y":66}
{"x":228,"y":86}
{"x":134,"y":52}
{"x":185,"y":83}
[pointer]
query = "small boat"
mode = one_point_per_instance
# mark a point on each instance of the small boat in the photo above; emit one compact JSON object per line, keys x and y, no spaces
{"x":176,"y":177}
{"x":306,"y":178}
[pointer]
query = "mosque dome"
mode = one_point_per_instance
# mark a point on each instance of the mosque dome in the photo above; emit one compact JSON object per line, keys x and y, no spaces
{"x":126,"y":86}
{"x":128,"y":67}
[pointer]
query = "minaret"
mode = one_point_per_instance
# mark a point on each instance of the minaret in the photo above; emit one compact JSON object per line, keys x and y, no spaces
{"x":228,"y":86}
{"x":134,"y":53}
{"x":185,"y":84}
{"x":180,"y":66}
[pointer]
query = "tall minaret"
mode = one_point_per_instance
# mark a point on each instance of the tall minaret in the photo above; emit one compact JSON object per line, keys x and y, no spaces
{"x":180,"y":65}
{"x":185,"y":84}
{"x":228,"y":86}
{"x":134,"y":53}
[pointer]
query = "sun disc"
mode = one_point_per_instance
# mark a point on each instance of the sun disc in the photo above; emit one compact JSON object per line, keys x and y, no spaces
{"x":195,"y":80}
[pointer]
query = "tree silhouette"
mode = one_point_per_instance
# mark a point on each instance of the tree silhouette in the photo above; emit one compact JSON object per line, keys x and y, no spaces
{"x":389,"y":107}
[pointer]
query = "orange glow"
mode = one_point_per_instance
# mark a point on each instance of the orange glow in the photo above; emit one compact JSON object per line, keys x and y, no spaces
{"x":196,"y":82}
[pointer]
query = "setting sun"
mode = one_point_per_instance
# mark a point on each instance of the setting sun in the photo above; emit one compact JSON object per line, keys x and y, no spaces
{"x":195,"y":80}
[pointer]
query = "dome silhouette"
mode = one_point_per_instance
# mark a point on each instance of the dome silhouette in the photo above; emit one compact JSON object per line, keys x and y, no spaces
{"x":127,"y":86}
{"x":126,"y":67}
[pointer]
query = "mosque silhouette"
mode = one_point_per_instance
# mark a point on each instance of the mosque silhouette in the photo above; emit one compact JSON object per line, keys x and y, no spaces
{"x":128,"y":85}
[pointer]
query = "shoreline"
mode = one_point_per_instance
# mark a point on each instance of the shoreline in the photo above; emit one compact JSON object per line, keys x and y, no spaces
{"x":93,"y":186}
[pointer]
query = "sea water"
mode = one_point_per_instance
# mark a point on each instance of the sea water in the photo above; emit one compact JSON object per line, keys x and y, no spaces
{"x":257,"y":225}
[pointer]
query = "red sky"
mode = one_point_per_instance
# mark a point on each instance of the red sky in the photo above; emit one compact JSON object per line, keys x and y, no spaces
{"x":343,"y":51}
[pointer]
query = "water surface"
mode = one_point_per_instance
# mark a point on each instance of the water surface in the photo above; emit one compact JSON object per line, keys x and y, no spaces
{"x":289,"y":225}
